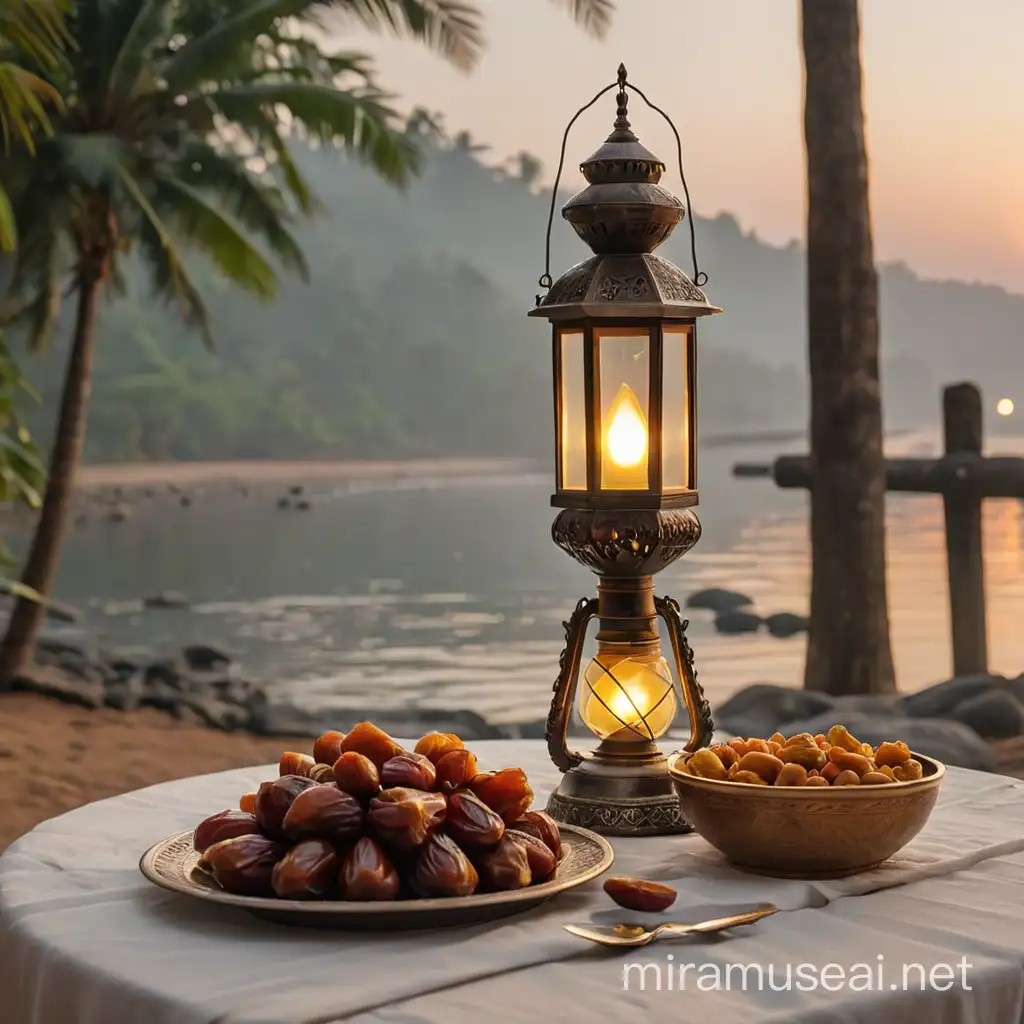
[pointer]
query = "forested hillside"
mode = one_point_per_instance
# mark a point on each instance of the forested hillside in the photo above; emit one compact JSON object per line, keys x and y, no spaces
{"x":411,"y":338}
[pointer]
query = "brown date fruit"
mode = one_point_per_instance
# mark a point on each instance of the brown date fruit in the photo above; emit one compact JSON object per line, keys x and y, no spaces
{"x":306,"y":872}
{"x":225,"y":825}
{"x":749,"y":777}
{"x":413,"y":771}
{"x":324,"y":812}
{"x":442,"y":869}
{"x":403,"y":818}
{"x":470,"y":822}
{"x":436,"y":744}
{"x":247,"y":803}
{"x":366,"y":739}
{"x":296,"y":764}
{"x":321,"y":773}
{"x":543,"y":826}
{"x":356,"y":774}
{"x":455,"y":769}
{"x":508,"y":792}
{"x":244,"y":865}
{"x":273,"y":800}
{"x":543,"y":863}
{"x":847,"y":777}
{"x":504,"y":866}
{"x":639,"y":894}
{"x":876,"y":779}
{"x":328,"y":746}
{"x":817,"y":780}
{"x":366,"y":873}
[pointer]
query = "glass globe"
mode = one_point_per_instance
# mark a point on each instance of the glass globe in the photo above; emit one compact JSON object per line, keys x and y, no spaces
{"x":628,"y":697}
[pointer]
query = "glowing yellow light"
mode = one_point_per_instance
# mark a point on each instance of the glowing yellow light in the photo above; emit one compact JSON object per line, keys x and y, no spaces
{"x":628,"y":697}
{"x":1004,"y":407}
{"x":627,"y":429}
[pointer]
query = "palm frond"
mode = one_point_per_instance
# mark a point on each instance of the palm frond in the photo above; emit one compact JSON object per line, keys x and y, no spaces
{"x":257,"y":205}
{"x":452,"y":28}
{"x":215,"y":235}
{"x":357,"y":120}
{"x":170,"y":279}
{"x":147,"y":24}
{"x":215,"y":53}
{"x":8,"y":223}
{"x":593,"y":16}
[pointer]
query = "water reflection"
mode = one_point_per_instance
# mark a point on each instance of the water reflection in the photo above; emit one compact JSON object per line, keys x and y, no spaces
{"x":451,"y":594}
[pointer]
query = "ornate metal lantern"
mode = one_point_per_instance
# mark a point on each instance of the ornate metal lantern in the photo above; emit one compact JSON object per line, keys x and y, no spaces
{"x":624,"y":333}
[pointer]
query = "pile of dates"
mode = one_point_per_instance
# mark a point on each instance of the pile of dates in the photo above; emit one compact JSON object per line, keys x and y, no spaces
{"x":363,"y":819}
{"x":836,"y":759}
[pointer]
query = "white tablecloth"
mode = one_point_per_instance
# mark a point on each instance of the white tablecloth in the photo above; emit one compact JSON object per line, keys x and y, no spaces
{"x":84,"y":939}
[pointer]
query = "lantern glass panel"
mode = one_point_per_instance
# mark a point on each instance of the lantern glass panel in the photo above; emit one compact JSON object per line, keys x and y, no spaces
{"x":573,"y":424}
{"x":624,"y":360}
{"x":675,"y":408}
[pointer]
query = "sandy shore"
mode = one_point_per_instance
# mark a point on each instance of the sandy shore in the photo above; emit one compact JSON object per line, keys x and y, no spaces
{"x":268,"y":473}
{"x":54,"y":757}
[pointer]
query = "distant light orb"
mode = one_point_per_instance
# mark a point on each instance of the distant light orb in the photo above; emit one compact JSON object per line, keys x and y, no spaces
{"x":1004,"y":407}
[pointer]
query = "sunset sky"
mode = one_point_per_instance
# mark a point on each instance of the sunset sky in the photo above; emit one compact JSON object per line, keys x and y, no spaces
{"x":944,"y":94}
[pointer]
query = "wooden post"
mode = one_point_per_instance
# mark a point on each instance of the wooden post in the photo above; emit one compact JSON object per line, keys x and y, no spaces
{"x":962,"y":424}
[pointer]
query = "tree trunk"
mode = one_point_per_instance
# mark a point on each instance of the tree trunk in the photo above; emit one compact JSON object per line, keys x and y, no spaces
{"x":27,"y":617}
{"x":848,"y":650}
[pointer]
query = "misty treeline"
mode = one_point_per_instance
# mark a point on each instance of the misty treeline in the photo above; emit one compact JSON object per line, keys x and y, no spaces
{"x":411,"y":337}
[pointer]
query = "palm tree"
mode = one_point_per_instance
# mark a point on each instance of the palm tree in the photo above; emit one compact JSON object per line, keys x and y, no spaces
{"x":848,"y":648}
{"x":32,"y":29}
{"x":175,"y":136}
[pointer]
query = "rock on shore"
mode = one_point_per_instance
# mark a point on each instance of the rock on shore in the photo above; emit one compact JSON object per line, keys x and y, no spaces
{"x":954,"y":721}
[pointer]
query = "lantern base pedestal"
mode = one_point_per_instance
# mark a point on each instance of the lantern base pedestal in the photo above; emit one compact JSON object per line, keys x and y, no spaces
{"x":615,"y":798}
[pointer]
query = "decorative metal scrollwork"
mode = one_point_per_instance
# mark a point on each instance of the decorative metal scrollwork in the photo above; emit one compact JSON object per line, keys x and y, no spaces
{"x":565,"y":685}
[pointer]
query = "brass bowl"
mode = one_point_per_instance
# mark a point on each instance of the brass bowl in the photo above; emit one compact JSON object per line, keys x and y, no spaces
{"x":799,"y":832}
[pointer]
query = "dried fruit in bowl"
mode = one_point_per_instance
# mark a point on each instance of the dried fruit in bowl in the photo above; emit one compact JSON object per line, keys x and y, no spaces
{"x":892,"y":754}
{"x":706,"y":764}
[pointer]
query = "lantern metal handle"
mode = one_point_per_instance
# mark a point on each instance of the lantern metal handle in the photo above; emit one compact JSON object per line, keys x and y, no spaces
{"x":700,"y":278}
{"x":565,"y":685}
{"x":702,"y":727}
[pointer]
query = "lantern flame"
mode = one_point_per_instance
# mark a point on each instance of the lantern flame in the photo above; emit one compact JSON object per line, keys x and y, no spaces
{"x":627,"y":429}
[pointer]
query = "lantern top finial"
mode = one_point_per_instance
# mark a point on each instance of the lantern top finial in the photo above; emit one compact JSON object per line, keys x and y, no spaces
{"x":623,"y":214}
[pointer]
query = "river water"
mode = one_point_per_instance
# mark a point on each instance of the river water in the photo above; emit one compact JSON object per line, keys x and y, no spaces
{"x":449,"y":593}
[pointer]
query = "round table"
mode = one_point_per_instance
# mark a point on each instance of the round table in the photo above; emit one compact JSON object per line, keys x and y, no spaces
{"x":84,"y":939}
